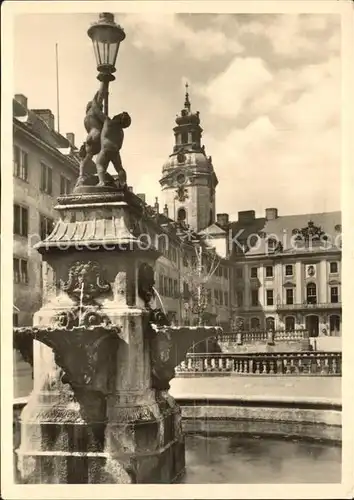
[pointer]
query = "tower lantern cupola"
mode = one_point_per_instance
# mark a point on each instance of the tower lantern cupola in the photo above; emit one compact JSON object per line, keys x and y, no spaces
{"x":188,"y":179}
{"x":188,"y":132}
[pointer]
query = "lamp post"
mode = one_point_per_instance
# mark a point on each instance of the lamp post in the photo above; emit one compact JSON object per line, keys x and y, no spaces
{"x":106,"y":37}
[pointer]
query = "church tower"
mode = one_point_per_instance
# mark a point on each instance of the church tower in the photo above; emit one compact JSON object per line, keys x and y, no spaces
{"x":188,"y":179}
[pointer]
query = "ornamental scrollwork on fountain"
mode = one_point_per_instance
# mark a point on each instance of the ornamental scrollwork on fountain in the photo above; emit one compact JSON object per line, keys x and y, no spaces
{"x":85,"y":281}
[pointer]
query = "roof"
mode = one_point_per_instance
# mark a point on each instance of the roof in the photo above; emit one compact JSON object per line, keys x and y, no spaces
{"x":255,"y":234}
{"x":213,"y":230}
{"x":32,"y":123}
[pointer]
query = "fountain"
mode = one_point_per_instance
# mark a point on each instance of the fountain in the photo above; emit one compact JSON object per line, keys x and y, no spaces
{"x":103,"y":356}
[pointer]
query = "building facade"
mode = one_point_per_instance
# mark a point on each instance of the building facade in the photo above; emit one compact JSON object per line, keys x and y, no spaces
{"x":289,"y":276}
{"x":45,"y":165}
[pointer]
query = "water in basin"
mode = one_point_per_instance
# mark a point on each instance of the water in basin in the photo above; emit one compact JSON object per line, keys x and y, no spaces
{"x":253,"y":459}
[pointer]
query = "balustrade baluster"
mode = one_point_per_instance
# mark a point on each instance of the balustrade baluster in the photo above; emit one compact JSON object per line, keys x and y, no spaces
{"x":245,"y":366}
{"x":334,"y":365}
{"x":258,"y":364}
{"x":213,"y":364}
{"x":271,"y":367}
{"x":250,"y":366}
{"x":264,"y":366}
{"x":220,"y":364}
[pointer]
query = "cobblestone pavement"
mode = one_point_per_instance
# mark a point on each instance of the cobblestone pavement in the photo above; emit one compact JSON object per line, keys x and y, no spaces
{"x":258,"y":387}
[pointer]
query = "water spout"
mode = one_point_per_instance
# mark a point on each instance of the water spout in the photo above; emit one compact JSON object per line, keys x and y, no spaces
{"x":81,"y":301}
{"x":160,"y":300}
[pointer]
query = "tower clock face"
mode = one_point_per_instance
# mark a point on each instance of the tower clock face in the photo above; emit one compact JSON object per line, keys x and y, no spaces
{"x":181,"y":179}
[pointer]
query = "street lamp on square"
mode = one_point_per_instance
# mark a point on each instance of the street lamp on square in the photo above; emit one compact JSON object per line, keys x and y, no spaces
{"x":106,"y":37}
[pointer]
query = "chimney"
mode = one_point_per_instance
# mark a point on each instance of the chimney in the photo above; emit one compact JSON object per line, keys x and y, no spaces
{"x":165,"y":210}
{"x":22,"y":99}
{"x":271,"y":213}
{"x":246,"y":216}
{"x":156,"y":206}
{"x":46,"y":115}
{"x":130,"y":189}
{"x":222,"y":219}
{"x":71,"y":138}
{"x":141,"y":196}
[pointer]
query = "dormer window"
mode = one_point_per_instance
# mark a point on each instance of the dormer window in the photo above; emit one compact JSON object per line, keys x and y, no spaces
{"x":271,"y":244}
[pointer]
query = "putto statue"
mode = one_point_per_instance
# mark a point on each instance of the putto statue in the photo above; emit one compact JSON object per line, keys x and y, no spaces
{"x":104,"y":138}
{"x":112,"y":136}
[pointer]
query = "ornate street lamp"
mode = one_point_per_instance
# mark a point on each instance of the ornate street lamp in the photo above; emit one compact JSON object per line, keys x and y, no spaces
{"x":106,"y":37}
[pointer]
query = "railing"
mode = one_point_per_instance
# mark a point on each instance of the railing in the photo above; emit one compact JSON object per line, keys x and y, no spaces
{"x":285,"y":363}
{"x":300,"y":334}
{"x":248,"y":337}
{"x":304,"y":305}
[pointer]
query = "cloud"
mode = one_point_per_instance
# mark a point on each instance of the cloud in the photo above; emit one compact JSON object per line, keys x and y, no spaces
{"x":297,"y":36}
{"x":242,"y":79}
{"x":163,"y":33}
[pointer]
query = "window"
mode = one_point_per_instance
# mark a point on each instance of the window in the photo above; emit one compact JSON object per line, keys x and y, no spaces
{"x":254,"y":272}
{"x":46,"y":179}
{"x":221,"y":298}
{"x":161,"y":284}
{"x":20,"y":270}
{"x":254,"y":297}
{"x":185,"y":261}
{"x":311,"y":292}
{"x":175,"y":288}
{"x":216,"y":297}
{"x":239,"y":298}
{"x":334,"y":295}
{"x":165,"y":286}
{"x":270,"y":323}
{"x":181,"y":214}
{"x":255,"y":323}
{"x":239,"y":273}
{"x":289,"y":323}
{"x":170,"y":287}
{"x":64,"y":185}
{"x":289,"y":295}
{"x":271,"y":244}
{"x":333,"y":267}
{"x":20,"y":220}
{"x":270,"y":299}
{"x":15,"y":319}
{"x":269,"y":271}
{"x":20,"y":159}
{"x":334,"y":324}
{"x":185,"y":290}
{"x":226,"y":273}
{"x":289,"y":270}
{"x":45,"y":226}
{"x":173,"y":254}
{"x":226,"y":298}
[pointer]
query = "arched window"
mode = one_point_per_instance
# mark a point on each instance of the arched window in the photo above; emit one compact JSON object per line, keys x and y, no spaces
{"x":311,"y":293}
{"x":181,"y":214}
{"x":255,"y":324}
{"x":289,"y":323}
{"x":270,"y":323}
{"x":334,"y":324}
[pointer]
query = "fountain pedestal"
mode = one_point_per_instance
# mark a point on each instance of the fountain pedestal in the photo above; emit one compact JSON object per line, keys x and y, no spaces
{"x":100,"y":411}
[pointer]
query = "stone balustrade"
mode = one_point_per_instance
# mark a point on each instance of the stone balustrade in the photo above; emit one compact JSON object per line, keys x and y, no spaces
{"x":277,"y":363}
{"x":248,"y":337}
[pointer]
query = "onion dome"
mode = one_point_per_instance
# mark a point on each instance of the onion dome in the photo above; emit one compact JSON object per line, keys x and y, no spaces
{"x":187,"y":117}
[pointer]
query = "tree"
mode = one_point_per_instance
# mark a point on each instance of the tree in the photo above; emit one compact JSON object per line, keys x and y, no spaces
{"x":197,"y":294}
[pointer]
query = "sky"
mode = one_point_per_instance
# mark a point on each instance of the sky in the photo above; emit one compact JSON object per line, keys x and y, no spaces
{"x":268,"y":88}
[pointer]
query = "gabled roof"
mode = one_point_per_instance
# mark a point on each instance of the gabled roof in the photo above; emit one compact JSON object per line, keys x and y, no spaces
{"x":213,"y":230}
{"x":28,"y":120}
